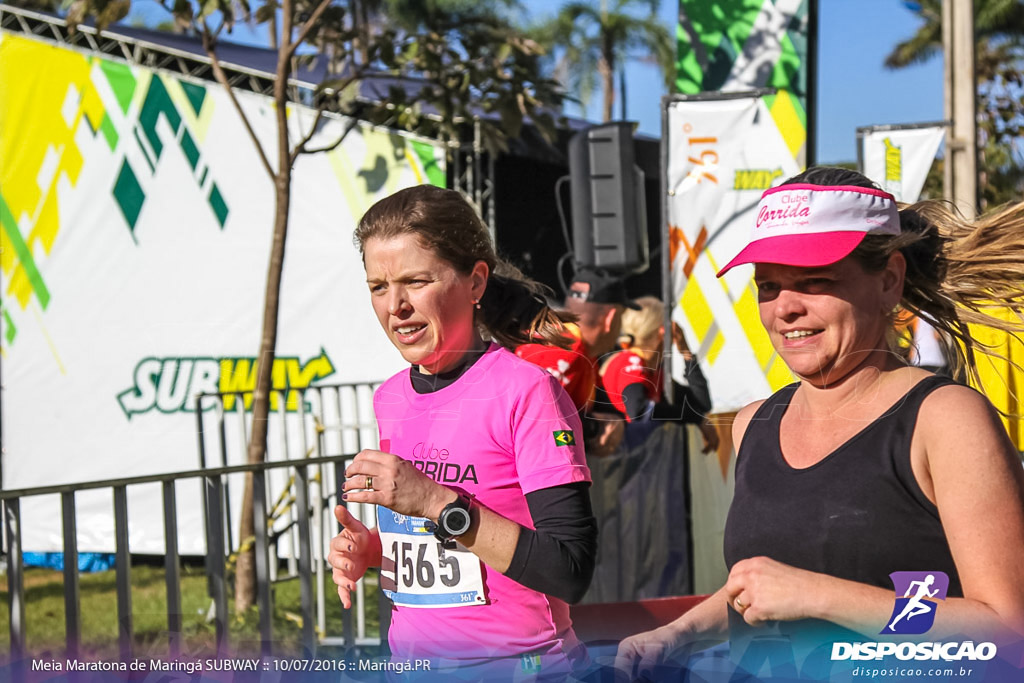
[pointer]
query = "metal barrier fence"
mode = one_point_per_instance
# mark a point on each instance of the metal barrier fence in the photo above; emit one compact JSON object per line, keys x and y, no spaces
{"x":307,"y":422}
{"x":213,"y":483}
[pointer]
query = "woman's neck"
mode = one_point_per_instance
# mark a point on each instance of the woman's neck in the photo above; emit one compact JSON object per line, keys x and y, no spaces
{"x":858,"y":387}
{"x":424,"y":383}
{"x":454,"y":360}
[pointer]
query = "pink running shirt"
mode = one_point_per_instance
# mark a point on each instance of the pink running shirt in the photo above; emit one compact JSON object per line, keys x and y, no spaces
{"x":505,"y":428}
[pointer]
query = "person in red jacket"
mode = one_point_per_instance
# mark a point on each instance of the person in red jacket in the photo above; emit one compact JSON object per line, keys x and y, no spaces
{"x":633,"y":378}
{"x":598,"y":300}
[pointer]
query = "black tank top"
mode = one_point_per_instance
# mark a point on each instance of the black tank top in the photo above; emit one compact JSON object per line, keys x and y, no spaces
{"x":858,"y":514}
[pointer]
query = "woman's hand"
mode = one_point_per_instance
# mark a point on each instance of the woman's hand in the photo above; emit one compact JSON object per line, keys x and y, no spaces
{"x":397,"y":485}
{"x":613,"y":429}
{"x":710,"y":436}
{"x":761,"y":590}
{"x":679,"y":339}
{"x":352,"y":551}
{"x":640,"y":655}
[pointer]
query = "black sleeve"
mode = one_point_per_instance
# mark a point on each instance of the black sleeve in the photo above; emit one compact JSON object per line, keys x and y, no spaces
{"x":699,"y":392}
{"x":691,"y":403}
{"x":634,"y":396}
{"x":558,"y":557}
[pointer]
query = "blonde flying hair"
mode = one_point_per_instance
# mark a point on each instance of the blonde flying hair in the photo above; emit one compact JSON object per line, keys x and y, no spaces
{"x":957,"y":270}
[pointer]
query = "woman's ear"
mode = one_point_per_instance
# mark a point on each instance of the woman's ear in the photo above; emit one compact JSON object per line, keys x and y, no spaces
{"x":893,"y":279}
{"x":478,"y":278}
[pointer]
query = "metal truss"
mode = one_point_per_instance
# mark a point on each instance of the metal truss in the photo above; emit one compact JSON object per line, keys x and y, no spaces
{"x":472,"y":174}
{"x":471,"y":168}
{"x":143,"y":53}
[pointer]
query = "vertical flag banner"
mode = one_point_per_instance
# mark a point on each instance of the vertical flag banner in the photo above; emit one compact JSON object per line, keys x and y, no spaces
{"x":135,"y":232}
{"x":1002,"y":381}
{"x":722,"y":154}
{"x":742,"y":45}
{"x":899,"y":158}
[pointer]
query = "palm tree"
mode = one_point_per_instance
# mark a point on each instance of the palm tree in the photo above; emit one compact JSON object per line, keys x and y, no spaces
{"x":597,"y":41}
{"x":999,"y":64}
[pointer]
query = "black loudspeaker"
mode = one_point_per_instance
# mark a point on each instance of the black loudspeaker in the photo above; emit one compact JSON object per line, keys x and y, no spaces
{"x":609,"y":214}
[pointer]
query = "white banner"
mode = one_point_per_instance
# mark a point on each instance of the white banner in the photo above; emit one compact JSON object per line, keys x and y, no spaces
{"x":137,"y":221}
{"x":722,"y":154}
{"x":899,"y":159}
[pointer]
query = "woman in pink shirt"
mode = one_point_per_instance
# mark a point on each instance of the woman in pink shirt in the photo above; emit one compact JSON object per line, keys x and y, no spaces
{"x":484,"y":531}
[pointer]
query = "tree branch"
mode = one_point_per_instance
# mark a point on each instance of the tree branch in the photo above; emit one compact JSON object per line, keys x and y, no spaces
{"x":308,"y":26}
{"x":222,"y":78}
{"x":300,"y":148}
{"x":353,"y":122}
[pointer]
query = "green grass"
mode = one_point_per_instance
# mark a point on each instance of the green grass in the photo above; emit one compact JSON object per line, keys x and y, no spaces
{"x":45,"y":629}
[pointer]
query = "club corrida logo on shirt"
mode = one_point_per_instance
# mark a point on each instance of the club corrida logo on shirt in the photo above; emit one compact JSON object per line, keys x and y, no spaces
{"x":433,"y":462}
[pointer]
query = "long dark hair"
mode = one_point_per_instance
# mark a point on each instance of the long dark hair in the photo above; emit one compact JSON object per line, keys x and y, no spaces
{"x":957,"y":270}
{"x":513,"y":309}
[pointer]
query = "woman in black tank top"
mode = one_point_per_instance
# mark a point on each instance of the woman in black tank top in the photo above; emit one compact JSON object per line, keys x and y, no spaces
{"x":866,"y":466}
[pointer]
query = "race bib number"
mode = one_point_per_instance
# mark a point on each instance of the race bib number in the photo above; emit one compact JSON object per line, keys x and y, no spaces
{"x":417,"y":570}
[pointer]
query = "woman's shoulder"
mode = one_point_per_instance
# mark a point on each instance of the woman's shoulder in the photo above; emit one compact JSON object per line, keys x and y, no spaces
{"x":950,"y":405}
{"x":742,"y":420}
{"x":506,"y":366}
{"x":393,"y":385}
{"x":959,"y":432}
{"x":526,"y":385}
{"x":747,"y":412}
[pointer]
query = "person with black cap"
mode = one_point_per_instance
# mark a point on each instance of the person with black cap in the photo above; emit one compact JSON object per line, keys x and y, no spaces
{"x":597,"y":299}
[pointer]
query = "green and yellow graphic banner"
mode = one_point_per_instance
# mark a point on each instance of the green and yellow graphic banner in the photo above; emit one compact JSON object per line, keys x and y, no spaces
{"x":740,"y":45}
{"x":135,"y":228}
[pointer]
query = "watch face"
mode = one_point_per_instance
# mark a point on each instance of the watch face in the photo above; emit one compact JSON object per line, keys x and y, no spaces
{"x":456,"y":521}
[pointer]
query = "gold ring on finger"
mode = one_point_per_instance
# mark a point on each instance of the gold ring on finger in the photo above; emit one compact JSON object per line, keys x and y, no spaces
{"x":369,"y":482}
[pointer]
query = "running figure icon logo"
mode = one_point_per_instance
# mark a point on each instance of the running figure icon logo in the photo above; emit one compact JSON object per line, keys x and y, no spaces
{"x":917,"y":594}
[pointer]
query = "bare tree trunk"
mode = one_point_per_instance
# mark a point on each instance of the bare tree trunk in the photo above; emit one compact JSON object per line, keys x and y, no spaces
{"x":245,"y":579}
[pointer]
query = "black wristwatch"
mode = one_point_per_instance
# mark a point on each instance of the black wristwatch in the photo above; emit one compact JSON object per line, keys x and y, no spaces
{"x":453,"y":521}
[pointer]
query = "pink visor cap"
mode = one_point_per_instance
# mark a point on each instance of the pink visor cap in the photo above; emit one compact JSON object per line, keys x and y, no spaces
{"x":815,"y":225}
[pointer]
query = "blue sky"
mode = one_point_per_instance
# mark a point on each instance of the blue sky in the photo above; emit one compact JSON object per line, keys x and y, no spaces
{"x":854,"y":88}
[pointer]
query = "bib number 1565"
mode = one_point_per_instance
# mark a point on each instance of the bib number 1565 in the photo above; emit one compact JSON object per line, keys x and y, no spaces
{"x":414,"y":567}
{"x":418,"y":571}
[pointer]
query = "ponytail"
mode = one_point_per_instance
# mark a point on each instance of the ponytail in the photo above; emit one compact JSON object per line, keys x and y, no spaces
{"x":514,"y":310}
{"x":958,"y":273}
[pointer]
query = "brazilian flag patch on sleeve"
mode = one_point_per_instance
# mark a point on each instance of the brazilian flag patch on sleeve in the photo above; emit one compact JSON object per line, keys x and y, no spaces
{"x":564,"y":438}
